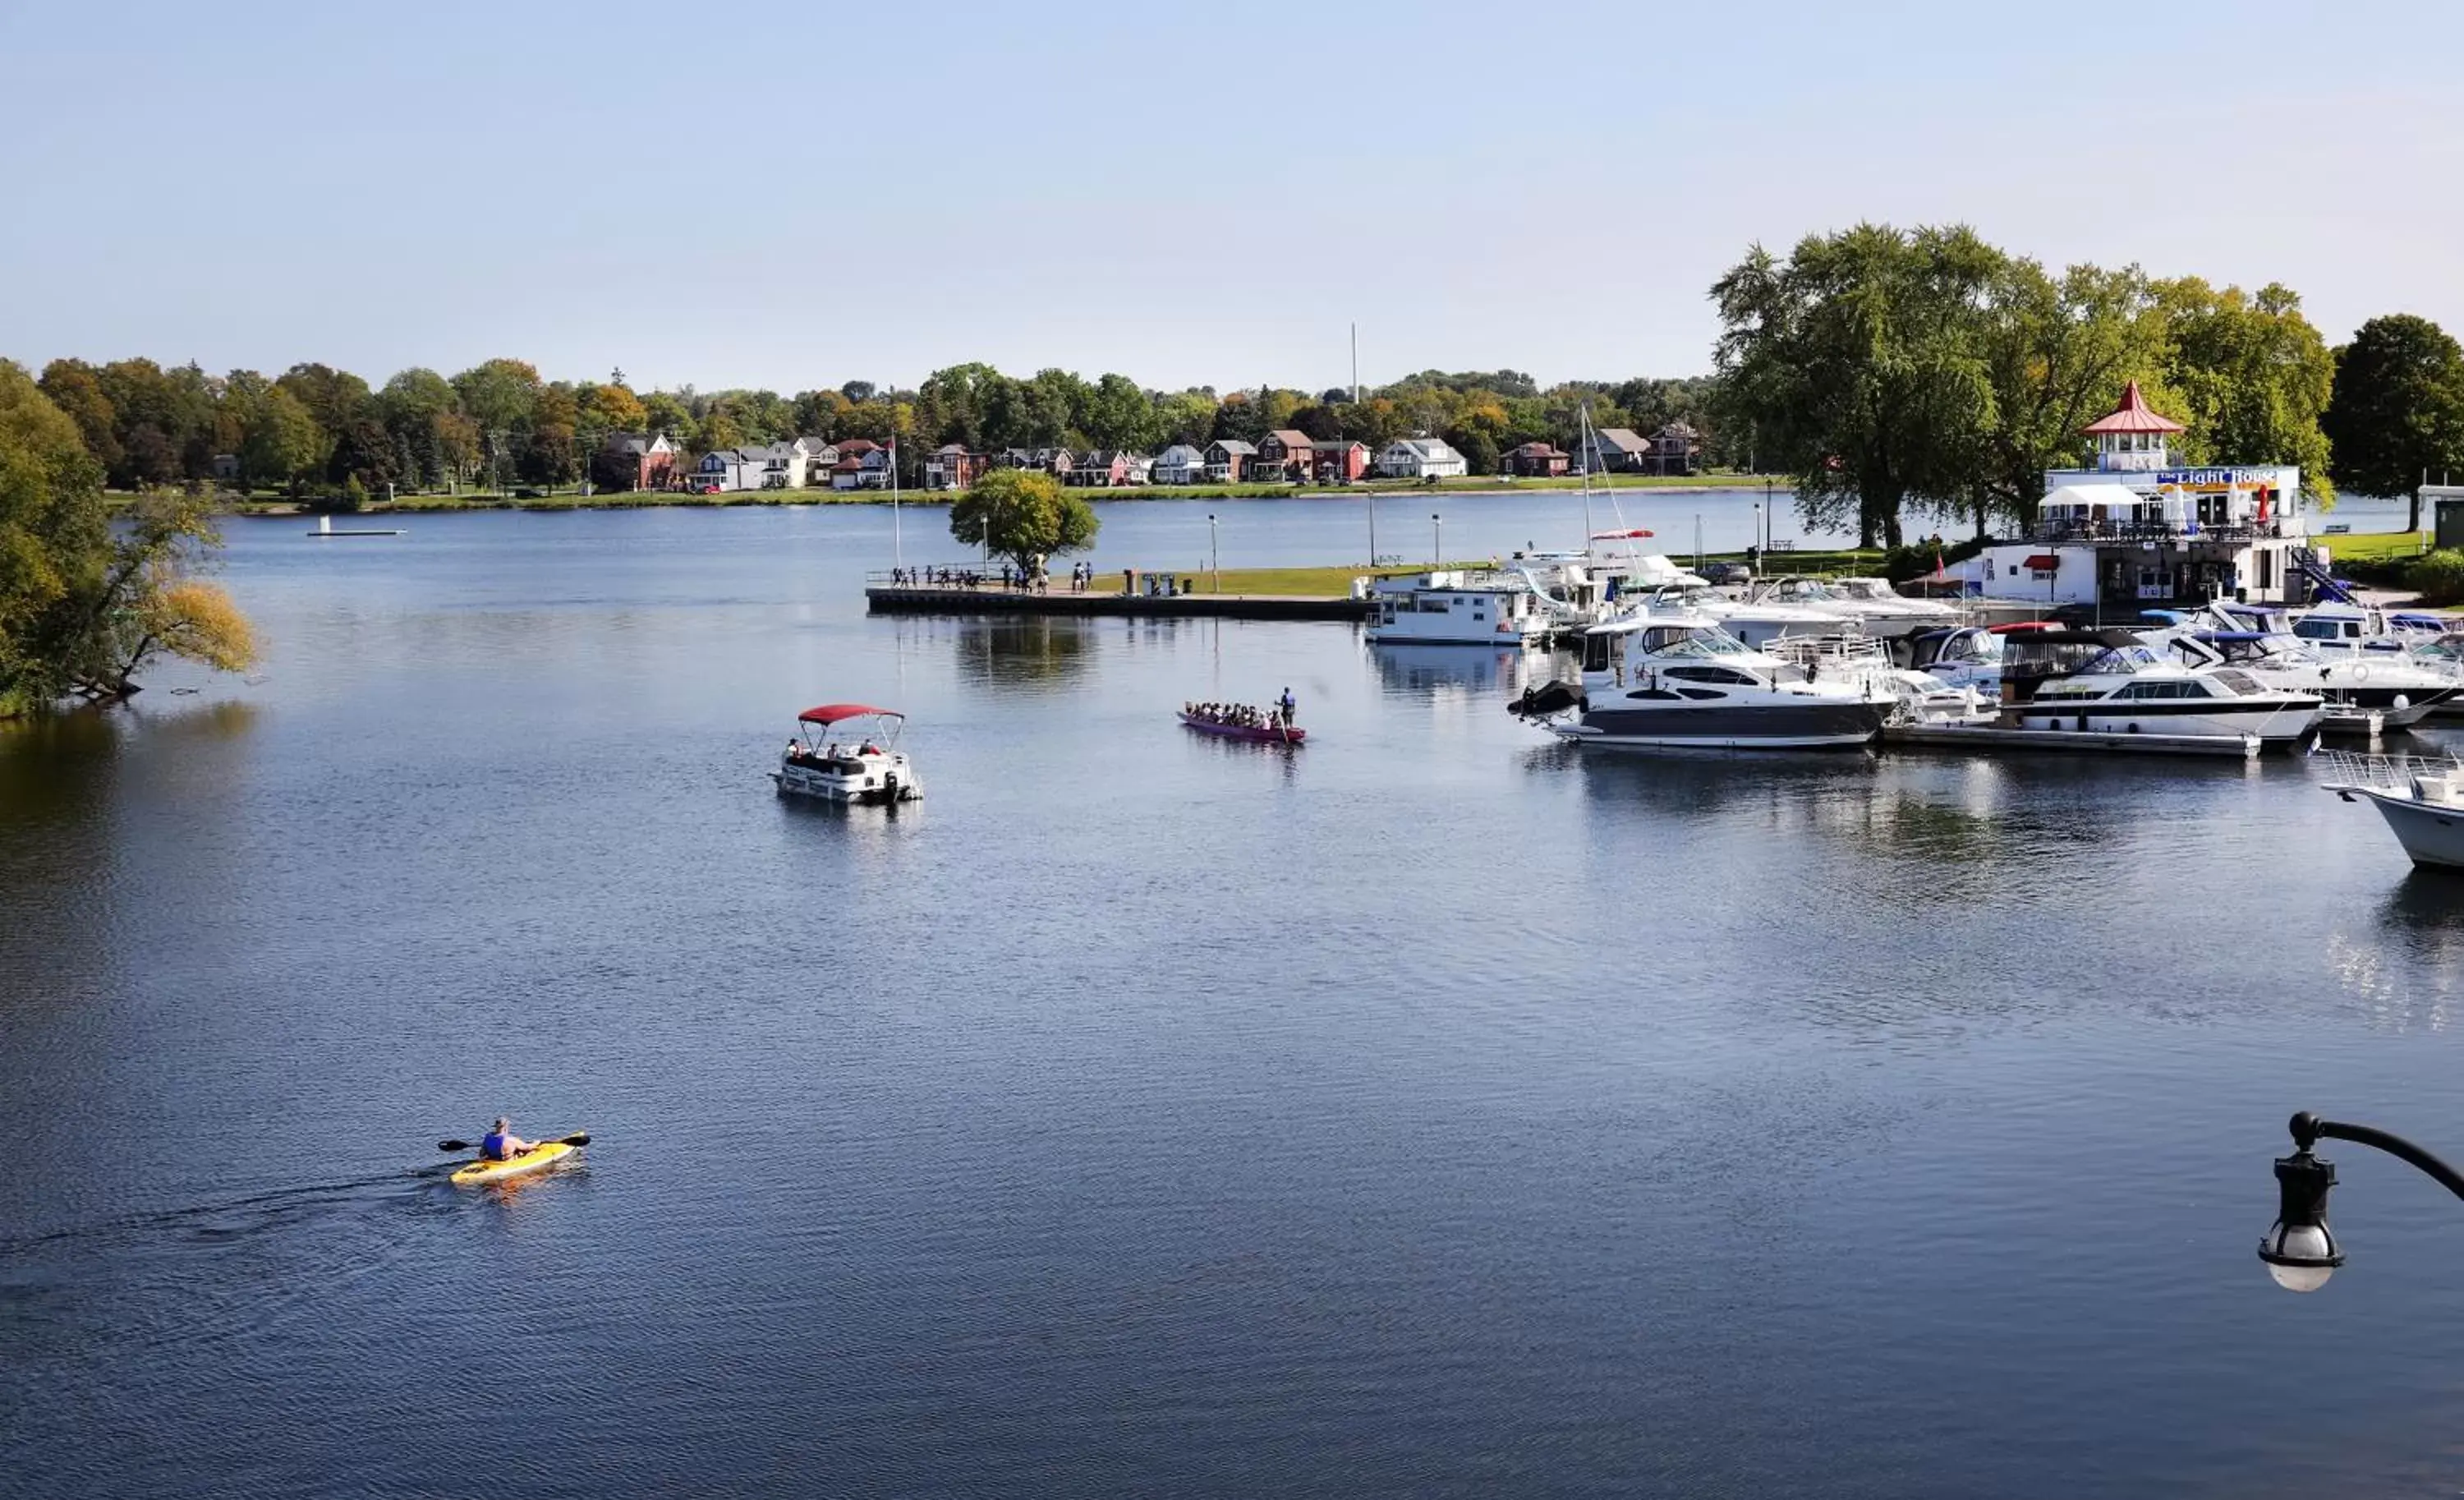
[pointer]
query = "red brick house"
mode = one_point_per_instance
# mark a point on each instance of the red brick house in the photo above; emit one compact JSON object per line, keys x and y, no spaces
{"x":1339,"y":461}
{"x":633,"y":461}
{"x":1283,"y":453}
{"x":953,"y":468}
{"x":1536,"y":461}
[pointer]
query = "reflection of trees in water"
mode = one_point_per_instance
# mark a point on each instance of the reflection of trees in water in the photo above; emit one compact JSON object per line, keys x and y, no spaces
{"x":68,"y":855}
{"x":1026,"y":648}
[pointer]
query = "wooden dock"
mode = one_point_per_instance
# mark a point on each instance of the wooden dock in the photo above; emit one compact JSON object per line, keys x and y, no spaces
{"x":960,"y":598}
{"x":1990,"y":737}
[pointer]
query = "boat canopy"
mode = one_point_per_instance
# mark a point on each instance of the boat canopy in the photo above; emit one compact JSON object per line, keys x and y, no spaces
{"x":832,"y":712}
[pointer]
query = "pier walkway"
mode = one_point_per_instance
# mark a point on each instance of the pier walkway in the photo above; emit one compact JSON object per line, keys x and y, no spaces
{"x":988,"y":595}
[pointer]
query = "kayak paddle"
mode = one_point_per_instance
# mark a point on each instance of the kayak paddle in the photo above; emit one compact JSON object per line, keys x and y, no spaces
{"x":579,"y":1139}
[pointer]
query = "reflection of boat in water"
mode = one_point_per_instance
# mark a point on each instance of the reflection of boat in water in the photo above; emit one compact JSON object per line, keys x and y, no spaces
{"x":2421,"y":797}
{"x":1421,"y":668}
{"x":869,"y":770}
{"x":1674,"y":683}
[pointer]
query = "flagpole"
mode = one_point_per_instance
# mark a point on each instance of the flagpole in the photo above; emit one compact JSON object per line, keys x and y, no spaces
{"x":897,"y":548}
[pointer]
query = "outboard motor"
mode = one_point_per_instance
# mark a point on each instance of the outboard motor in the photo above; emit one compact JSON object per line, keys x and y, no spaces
{"x":1547,"y":700}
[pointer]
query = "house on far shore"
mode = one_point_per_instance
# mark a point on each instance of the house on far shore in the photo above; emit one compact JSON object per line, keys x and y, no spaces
{"x":625,"y":461}
{"x":951,"y":467}
{"x":1228,"y":460}
{"x":1054,"y":461}
{"x":1182,"y":463}
{"x":1340,"y":461}
{"x":1613,"y":450}
{"x":1420,"y":458}
{"x":1536,"y":461}
{"x":1101,"y":469}
{"x":1676,"y":448}
{"x":1284,"y":453}
{"x":1136,"y":469}
{"x":820,"y":458}
{"x":863,"y":465}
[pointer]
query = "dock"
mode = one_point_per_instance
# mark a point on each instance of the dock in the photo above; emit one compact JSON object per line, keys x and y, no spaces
{"x":1988,"y":737}
{"x":992,"y":599}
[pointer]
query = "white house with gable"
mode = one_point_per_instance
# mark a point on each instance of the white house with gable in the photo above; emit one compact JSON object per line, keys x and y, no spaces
{"x":1420,"y":458}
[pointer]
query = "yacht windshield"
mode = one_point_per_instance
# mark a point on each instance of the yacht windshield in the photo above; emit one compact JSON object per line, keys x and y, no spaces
{"x":1694,"y":640}
{"x":2119,"y":661}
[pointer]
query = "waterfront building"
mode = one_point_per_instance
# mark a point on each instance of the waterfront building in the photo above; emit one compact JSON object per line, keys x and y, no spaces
{"x":863,"y":464}
{"x":625,"y":461}
{"x":1102,"y":468}
{"x":1420,"y":458}
{"x":952,"y":467}
{"x":1537,"y":460}
{"x":1284,"y":453}
{"x":1182,"y":463}
{"x":2135,"y":531}
{"x":1228,"y":460}
{"x":1338,"y":462}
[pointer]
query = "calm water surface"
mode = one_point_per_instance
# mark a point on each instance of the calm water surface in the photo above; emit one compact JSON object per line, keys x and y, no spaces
{"x":1430,"y":1112}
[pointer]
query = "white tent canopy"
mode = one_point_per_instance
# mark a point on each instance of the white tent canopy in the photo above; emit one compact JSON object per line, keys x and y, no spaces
{"x":2107,"y":502}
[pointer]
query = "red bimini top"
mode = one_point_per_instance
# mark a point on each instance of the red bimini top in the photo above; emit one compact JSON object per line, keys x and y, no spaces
{"x":832,"y":712}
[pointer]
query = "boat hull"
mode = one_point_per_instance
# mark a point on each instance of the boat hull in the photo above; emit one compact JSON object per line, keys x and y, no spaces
{"x":2432,"y":835}
{"x":1247,"y":733}
{"x":1817,"y":724}
{"x":2274,"y":723}
{"x":872,"y":787}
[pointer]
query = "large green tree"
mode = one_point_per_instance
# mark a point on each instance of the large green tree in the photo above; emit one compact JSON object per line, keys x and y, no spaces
{"x":2398,"y":408}
{"x":2058,"y":352}
{"x":2250,"y":376}
{"x":1857,"y":362}
{"x":84,"y":604}
{"x":1024,"y":516}
{"x":284,"y":445}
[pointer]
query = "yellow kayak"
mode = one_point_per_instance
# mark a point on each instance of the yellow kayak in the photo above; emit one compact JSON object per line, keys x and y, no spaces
{"x":546,"y":1154}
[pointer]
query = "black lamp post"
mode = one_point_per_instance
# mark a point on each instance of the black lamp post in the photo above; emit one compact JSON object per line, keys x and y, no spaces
{"x":2299,"y":1250}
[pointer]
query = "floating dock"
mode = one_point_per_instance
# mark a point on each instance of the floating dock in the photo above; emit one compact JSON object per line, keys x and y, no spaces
{"x":958,"y":599}
{"x":1988,"y":737}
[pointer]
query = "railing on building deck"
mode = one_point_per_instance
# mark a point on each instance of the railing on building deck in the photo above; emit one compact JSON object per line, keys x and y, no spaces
{"x":2156,"y":531}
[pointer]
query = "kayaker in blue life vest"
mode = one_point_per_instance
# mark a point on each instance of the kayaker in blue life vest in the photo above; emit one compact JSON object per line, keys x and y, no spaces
{"x":502,"y":1145}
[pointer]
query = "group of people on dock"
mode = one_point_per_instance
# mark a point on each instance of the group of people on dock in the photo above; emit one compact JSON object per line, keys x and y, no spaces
{"x":1277,"y":715}
{"x":1014,"y":580}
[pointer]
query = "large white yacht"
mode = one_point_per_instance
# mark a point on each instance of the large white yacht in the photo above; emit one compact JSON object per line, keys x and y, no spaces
{"x":1869,"y":604}
{"x":2111,"y":682}
{"x":2400,"y":690}
{"x":1657,"y":681}
{"x":1755,"y":622}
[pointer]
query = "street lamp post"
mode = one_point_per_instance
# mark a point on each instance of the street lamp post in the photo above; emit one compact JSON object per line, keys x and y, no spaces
{"x":1437,"y":544}
{"x":1213,"y":557}
{"x":2301,"y":1251}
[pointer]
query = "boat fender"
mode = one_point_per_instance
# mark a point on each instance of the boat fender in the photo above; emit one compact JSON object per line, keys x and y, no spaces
{"x":2362,"y":673}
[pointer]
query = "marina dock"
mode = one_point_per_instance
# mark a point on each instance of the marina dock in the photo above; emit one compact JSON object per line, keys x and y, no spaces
{"x":1971,"y":737}
{"x":991,"y":599}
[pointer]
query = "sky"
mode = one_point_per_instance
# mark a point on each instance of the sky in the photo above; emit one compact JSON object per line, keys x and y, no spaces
{"x":790,"y":195}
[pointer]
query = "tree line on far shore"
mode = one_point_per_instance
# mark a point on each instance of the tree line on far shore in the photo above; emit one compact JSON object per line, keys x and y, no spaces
{"x":317,"y":430}
{"x":1891,"y":372}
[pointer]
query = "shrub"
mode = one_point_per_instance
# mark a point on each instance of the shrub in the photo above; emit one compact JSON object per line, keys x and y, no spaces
{"x":2438,"y":576}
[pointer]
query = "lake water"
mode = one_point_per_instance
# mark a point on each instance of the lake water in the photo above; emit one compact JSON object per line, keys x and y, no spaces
{"x":1429,"y":1111}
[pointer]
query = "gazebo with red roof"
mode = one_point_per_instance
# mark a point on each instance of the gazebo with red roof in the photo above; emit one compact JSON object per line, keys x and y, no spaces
{"x":2131,"y":436}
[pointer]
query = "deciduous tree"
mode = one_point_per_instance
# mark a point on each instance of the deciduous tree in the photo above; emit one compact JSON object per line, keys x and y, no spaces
{"x":1024,"y":515}
{"x":2397,"y":409}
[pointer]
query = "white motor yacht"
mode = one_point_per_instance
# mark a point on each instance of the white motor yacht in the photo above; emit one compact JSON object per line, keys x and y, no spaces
{"x":868,"y":767}
{"x":1659,"y":681}
{"x":2364,"y":630}
{"x":2422,"y":799}
{"x":2396,"y":690}
{"x":1755,"y":622}
{"x":1870,"y":606}
{"x":2111,"y":682}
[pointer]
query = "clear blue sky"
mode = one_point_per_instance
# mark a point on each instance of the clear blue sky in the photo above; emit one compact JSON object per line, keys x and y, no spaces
{"x":782,"y":194}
